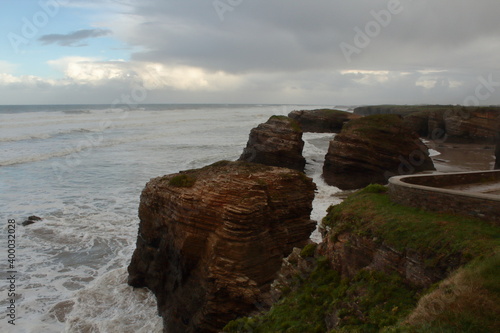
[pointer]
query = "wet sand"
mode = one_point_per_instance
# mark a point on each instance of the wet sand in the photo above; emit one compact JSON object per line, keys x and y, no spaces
{"x":466,"y":157}
{"x":491,"y":188}
{"x":463,"y":157}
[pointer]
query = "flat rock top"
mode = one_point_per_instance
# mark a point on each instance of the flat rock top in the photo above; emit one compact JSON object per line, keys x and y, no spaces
{"x":490,"y":188}
{"x":225,"y":171}
{"x":373,"y":127}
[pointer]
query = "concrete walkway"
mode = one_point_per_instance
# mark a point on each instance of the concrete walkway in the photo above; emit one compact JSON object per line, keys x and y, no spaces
{"x":491,"y":188}
{"x":475,"y":194}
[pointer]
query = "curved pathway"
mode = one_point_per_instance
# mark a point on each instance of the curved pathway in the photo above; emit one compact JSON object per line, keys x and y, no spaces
{"x":475,"y":194}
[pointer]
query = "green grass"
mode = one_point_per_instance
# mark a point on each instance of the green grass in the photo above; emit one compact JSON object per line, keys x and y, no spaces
{"x":182,"y":180}
{"x":308,"y":250}
{"x":374,"y":126}
{"x":243,"y":167}
{"x":407,"y":109}
{"x":405,"y":228}
{"x":366,"y":303}
{"x":467,"y":301}
{"x":293,"y":123}
{"x":331,"y":112}
{"x":280,"y":118}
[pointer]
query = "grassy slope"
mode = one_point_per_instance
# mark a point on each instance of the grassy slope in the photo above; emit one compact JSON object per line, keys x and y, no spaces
{"x":374,"y":302}
{"x":374,"y":215}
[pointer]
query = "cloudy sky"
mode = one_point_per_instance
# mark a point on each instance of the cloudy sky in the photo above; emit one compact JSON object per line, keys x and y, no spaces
{"x":250,"y":51}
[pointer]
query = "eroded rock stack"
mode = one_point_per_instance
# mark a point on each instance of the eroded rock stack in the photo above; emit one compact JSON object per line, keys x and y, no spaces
{"x":450,"y":123}
{"x":278,"y":142}
{"x":477,"y":125}
{"x":372,"y":149}
{"x":322,"y":120}
{"x":211,"y":240}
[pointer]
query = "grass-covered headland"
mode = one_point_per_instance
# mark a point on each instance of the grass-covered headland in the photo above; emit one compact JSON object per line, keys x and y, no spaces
{"x":467,"y":300}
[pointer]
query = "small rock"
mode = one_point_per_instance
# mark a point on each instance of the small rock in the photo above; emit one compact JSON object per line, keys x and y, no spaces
{"x":32,"y":219}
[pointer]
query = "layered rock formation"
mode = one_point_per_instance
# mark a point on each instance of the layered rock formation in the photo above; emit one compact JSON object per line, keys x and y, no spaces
{"x":360,"y":234}
{"x":372,"y":149}
{"x":349,"y":253}
{"x":466,"y":124}
{"x":401,"y":110}
{"x":376,"y":260}
{"x":278,"y":142}
{"x":211,"y":240}
{"x":460,"y":124}
{"x":420,"y":122}
{"x":322,"y":120}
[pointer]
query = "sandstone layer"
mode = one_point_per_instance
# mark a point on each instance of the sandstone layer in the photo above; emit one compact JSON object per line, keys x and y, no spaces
{"x":371,"y":150}
{"x":277,"y":142}
{"x":469,"y":125}
{"x":322,"y":120}
{"x":446,"y":123}
{"x":349,"y":253}
{"x":211,"y":240}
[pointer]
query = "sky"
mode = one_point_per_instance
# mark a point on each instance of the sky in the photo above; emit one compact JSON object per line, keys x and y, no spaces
{"x":321,"y":52}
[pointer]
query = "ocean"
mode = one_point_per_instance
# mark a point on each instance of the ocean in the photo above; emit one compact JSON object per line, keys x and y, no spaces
{"x":82,"y":168}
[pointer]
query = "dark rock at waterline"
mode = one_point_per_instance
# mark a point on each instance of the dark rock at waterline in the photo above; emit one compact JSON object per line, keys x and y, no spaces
{"x":322,"y":120}
{"x":497,"y":153}
{"x":372,"y":149}
{"x":211,"y":241}
{"x":32,"y":219}
{"x":277,"y":142}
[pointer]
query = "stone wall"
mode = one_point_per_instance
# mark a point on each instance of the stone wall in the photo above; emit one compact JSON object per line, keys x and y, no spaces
{"x":426,"y":192}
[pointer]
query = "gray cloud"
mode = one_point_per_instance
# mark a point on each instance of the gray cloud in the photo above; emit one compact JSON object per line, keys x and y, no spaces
{"x":290,"y":51}
{"x":74,"y":38}
{"x":294,"y":35}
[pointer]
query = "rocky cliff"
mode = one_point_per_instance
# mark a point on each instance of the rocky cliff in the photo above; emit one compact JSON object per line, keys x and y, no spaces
{"x":372,"y":149}
{"x":368,"y":243}
{"x":378,"y":270}
{"x":461,"y":124}
{"x":400,"y":110}
{"x":211,"y":240}
{"x":277,"y":142}
{"x":449,"y":123}
{"x":322,"y":120}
